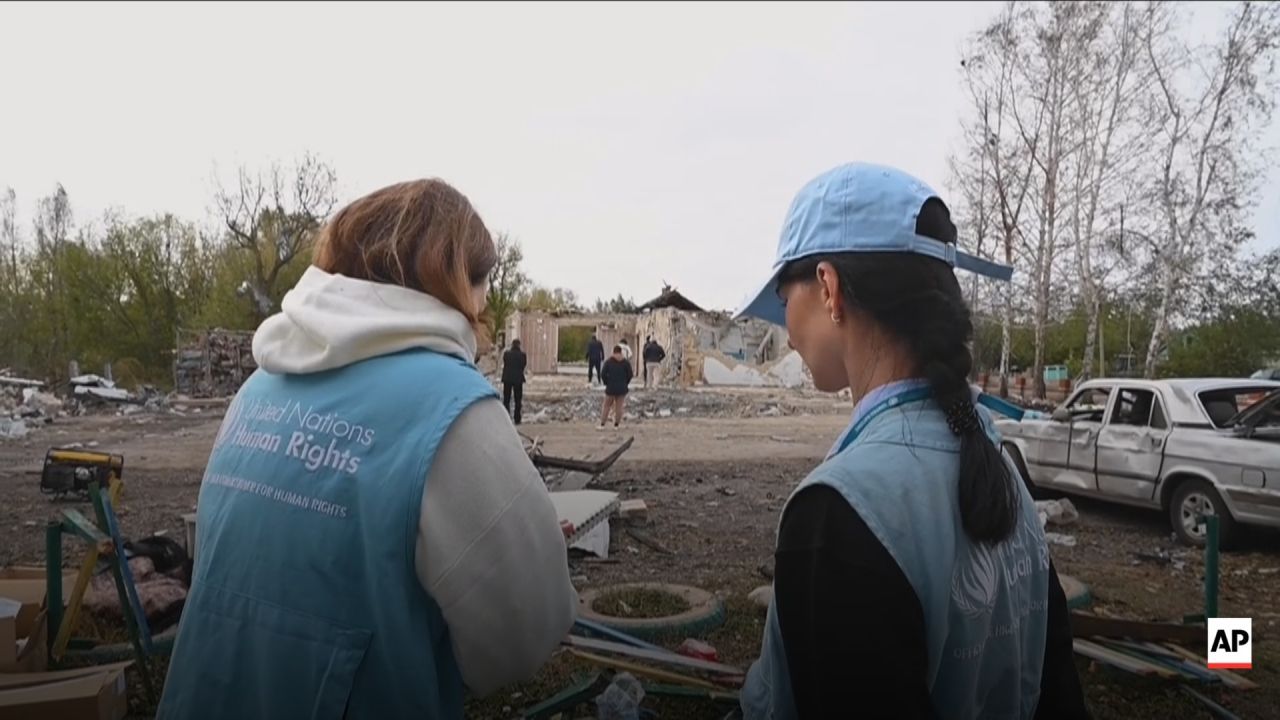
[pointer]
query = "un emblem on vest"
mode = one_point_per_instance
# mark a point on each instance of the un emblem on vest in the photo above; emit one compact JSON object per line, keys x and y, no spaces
{"x":1230,"y":643}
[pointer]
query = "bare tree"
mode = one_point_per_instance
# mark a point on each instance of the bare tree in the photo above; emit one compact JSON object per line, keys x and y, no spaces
{"x":1104,"y":98}
{"x":9,"y":236}
{"x":1208,"y":108}
{"x":990,"y":70}
{"x":274,"y":218}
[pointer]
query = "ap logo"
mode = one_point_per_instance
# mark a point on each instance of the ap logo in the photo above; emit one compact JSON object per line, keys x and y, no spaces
{"x":1230,"y":643}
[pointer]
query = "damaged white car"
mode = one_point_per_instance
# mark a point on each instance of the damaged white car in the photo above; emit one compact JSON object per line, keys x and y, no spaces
{"x":1187,"y":447}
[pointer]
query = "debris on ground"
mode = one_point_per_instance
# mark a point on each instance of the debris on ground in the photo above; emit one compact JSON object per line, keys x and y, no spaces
{"x":1057,"y":512}
{"x":621,"y":700}
{"x":695,"y":648}
{"x":762,"y":596}
{"x":12,"y":429}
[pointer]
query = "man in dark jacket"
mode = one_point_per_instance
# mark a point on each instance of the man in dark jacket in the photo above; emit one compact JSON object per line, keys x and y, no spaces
{"x":513,"y":365}
{"x":595,"y":356}
{"x":616,"y":375}
{"x":653,"y":355}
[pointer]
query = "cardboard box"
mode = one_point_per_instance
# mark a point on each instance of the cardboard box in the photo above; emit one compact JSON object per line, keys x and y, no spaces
{"x":28,"y":585}
{"x":91,"y":693}
{"x":23,"y":649}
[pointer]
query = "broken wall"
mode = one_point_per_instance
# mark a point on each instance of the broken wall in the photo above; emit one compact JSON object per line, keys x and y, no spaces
{"x":788,"y":371}
{"x":539,"y":336}
{"x":714,"y":349}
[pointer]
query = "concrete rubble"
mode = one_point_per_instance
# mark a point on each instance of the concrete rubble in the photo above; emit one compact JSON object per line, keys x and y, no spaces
{"x":212,"y":363}
{"x":26,"y":405}
{"x":659,"y":403}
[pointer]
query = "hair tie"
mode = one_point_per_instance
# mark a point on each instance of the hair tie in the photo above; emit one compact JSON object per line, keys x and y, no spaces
{"x":962,"y":418}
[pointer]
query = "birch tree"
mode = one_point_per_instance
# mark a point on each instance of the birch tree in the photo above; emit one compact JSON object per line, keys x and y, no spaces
{"x":1207,"y":110}
{"x":989,"y":71}
{"x":1105,"y":100}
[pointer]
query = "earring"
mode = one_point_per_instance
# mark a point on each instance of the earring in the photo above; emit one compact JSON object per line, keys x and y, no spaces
{"x":835,"y":318}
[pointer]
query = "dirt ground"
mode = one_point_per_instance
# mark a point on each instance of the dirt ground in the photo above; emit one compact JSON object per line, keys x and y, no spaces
{"x":715,"y":478}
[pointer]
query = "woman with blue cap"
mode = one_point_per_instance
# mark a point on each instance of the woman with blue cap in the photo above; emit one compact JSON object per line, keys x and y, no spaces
{"x":912,"y":575}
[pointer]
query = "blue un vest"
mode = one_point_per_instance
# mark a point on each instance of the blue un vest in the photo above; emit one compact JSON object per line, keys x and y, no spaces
{"x":305,"y":602}
{"x":985,"y":607}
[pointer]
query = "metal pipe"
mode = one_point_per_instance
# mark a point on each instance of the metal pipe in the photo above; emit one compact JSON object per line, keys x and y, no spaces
{"x":1211,"y":566}
{"x":53,"y":578}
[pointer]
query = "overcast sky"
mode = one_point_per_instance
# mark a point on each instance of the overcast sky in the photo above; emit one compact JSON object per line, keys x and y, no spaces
{"x":624,"y":145}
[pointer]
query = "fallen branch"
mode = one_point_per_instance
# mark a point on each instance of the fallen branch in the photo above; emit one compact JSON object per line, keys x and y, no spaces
{"x":648,"y":542}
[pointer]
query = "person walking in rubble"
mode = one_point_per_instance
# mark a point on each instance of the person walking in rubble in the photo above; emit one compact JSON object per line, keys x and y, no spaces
{"x":616,"y":375}
{"x":912,"y":576}
{"x":514,"y":362}
{"x":653,"y":355}
{"x":595,"y":359}
{"x":373,"y":537}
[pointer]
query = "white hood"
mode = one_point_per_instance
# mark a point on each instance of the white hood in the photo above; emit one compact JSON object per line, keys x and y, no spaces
{"x":330,"y":321}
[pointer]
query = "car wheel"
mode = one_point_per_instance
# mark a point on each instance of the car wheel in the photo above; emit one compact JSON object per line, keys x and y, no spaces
{"x":1016,"y":455}
{"x":1192,"y":499}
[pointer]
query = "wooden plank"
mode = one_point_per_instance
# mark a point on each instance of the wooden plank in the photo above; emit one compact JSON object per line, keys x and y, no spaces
{"x":665,"y":657}
{"x":77,"y":599}
{"x":677,"y":691}
{"x":591,"y":467}
{"x":1085,"y":625}
{"x":567,"y":699}
{"x":643,"y":671}
{"x":615,"y":635}
{"x":1101,"y":654}
{"x":78,"y":524}
{"x":1232,"y":680}
{"x":1175,"y":664}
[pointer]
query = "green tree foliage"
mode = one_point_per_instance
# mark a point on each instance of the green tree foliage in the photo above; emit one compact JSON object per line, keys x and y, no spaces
{"x":1238,"y":342}
{"x":507,"y":283}
{"x":118,"y":291}
{"x":551,"y":300}
{"x":617,"y":306}
{"x":573,"y":343}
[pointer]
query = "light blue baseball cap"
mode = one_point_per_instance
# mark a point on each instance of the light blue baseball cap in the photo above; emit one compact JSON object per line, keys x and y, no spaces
{"x":857,"y":207}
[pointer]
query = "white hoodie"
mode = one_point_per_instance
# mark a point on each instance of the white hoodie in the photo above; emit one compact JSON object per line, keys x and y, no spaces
{"x":490,"y":550}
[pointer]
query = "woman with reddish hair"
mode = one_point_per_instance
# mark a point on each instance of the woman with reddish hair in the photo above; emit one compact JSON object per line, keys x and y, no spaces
{"x":372,"y":535}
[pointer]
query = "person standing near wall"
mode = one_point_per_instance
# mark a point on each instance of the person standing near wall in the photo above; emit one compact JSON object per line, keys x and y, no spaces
{"x":514,"y":362}
{"x":595,"y":358}
{"x":385,"y":543}
{"x":912,"y":575}
{"x":653,"y":355}
{"x":616,"y":375}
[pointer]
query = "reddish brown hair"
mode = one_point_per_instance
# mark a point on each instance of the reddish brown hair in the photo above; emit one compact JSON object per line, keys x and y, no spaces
{"x":421,"y":234}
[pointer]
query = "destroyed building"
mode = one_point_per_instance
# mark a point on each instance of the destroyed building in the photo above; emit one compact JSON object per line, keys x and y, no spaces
{"x":703,"y":347}
{"x":212,"y":363}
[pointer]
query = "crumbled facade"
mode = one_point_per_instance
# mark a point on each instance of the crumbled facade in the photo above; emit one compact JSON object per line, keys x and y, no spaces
{"x":703,"y":348}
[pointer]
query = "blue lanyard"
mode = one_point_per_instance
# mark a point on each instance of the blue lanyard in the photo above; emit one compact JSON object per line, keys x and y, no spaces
{"x":1004,"y":407}
{"x":902,"y":398}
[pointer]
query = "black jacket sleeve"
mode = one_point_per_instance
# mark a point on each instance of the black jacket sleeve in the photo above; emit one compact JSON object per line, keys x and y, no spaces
{"x":853,"y":629}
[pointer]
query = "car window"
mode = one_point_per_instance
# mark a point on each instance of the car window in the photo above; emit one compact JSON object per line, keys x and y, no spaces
{"x":1133,"y":407}
{"x":1090,"y":403}
{"x":1223,"y":405}
{"x":1158,"y":420}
